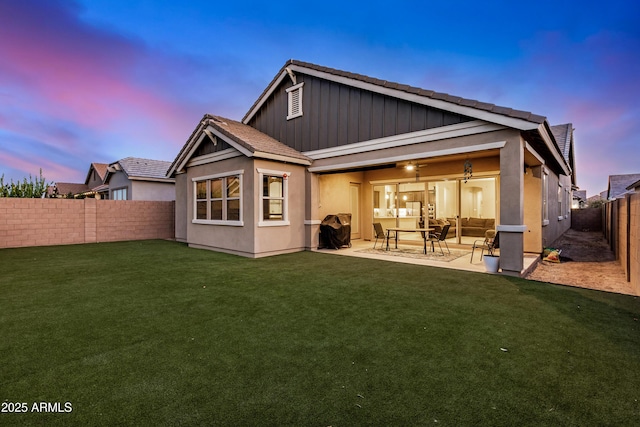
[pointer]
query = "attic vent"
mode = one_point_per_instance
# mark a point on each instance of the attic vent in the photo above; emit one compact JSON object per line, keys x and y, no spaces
{"x":295,"y":101}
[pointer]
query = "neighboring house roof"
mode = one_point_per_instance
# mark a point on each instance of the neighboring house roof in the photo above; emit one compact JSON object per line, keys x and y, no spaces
{"x":580,"y":194}
{"x":618,"y":184}
{"x":140,"y":169}
{"x":246,"y":139}
{"x":101,"y":170}
{"x":634,"y":186}
{"x":65,"y":188}
{"x":460,"y":105}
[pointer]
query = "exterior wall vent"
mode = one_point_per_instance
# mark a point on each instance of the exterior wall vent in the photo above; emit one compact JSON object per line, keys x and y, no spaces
{"x":294,"y":95}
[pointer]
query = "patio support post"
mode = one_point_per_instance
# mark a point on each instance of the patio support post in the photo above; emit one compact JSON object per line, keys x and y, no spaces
{"x":511,"y":226}
{"x":312,"y":212}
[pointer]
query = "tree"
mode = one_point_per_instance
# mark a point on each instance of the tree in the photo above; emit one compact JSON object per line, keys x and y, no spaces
{"x":33,"y":188}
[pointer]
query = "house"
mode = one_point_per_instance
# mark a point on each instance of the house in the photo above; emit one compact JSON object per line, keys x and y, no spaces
{"x":95,"y":180}
{"x":579,"y":199}
{"x":93,"y":185}
{"x":134,"y":178}
{"x":619,"y":185}
{"x":321,"y":141}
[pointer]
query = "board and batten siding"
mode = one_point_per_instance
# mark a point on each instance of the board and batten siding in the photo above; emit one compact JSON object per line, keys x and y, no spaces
{"x":335,"y":115}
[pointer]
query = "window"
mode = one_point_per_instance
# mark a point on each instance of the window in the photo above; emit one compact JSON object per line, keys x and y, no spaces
{"x":560,"y":198}
{"x":294,"y":95}
{"x":119,"y":194}
{"x":545,"y":197}
{"x":273,"y":198}
{"x":218,"y":199}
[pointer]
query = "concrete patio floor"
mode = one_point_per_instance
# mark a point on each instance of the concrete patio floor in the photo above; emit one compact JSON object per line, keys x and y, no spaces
{"x":462,"y":263}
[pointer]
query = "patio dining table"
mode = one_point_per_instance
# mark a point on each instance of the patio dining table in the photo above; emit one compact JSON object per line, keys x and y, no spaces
{"x":425,"y":234}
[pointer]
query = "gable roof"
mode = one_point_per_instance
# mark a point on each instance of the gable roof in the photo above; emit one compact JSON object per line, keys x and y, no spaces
{"x":519,"y":119}
{"x":140,"y":169}
{"x":562,"y":134}
{"x":619,"y":185}
{"x":101,"y":170}
{"x":535,"y":127}
{"x":65,"y":188}
{"x":246,"y":139}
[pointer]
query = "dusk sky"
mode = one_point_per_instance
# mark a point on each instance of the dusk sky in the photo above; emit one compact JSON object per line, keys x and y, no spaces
{"x":99,"y":80}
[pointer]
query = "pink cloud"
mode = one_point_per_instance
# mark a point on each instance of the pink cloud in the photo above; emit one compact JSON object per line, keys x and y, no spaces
{"x":51,"y":171}
{"x":73,"y":72}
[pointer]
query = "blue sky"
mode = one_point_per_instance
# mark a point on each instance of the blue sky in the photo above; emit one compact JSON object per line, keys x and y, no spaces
{"x":98,"y":80}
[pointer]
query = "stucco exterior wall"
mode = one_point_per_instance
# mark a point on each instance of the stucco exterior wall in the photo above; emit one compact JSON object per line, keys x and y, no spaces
{"x":150,"y":190}
{"x":249,"y":239}
{"x":45,"y":222}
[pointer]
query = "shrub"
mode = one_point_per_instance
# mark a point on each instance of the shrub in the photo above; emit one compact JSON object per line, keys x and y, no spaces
{"x":24,"y":189}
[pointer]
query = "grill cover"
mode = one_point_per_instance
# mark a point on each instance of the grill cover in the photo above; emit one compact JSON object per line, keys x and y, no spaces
{"x":335,"y":231}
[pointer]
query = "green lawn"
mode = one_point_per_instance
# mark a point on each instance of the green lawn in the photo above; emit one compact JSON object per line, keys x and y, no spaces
{"x":156,"y":333}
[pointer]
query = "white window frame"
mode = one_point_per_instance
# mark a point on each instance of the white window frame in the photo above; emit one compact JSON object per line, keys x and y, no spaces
{"x":567,"y":202}
{"x":560,"y":201}
{"x":120,"y":194}
{"x":285,"y":198}
{"x":294,"y":109}
{"x":225,"y":199}
{"x":545,"y":196}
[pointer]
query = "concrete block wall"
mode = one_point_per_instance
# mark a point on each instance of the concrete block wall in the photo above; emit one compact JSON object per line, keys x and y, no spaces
{"x":45,"y":222}
{"x":588,"y":219}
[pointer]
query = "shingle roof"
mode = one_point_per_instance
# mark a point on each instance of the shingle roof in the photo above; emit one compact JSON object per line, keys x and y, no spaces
{"x":101,"y":169}
{"x":65,"y":188}
{"x":144,"y":168}
{"x":562,"y":134}
{"x":484,"y":106}
{"x":252,"y":139}
{"x":618,"y":184}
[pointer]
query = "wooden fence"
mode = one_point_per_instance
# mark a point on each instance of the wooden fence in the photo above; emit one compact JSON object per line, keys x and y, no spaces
{"x":44,"y":222}
{"x":621,"y":225}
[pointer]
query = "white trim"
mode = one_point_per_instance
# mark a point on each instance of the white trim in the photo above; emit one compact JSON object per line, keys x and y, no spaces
{"x":161,"y":180}
{"x":405,"y":157}
{"x":230,"y":141}
{"x":281,"y":158}
{"x":444,"y":132}
{"x":229,"y":153}
{"x":229,"y":174}
{"x":285,"y":198}
{"x":218,"y":222}
{"x":218,"y":175}
{"x":291,"y":114}
{"x":194,"y":147}
{"x":312,"y":221}
{"x":266,"y":96}
{"x":533,"y":152}
{"x":555,"y":151}
{"x":512,"y":228}
{"x":264,"y":223}
{"x":513,"y":122}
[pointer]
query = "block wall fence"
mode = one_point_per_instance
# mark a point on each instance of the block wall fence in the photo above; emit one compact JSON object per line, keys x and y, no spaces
{"x":621,"y":224}
{"x":45,"y":222}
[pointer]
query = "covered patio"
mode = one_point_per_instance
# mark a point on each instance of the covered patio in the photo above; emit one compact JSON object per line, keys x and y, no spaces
{"x":362,"y":249}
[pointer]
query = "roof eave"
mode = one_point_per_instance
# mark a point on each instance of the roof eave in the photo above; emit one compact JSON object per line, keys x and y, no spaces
{"x":396,"y":91}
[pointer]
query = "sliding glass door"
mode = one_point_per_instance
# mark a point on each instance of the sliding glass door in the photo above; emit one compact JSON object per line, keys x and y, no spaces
{"x":470,"y":207}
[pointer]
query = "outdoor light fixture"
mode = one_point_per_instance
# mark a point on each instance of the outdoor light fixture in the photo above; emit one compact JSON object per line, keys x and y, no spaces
{"x":409,"y":167}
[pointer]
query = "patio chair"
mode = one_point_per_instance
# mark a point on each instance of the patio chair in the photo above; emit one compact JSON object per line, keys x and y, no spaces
{"x":489,"y":244}
{"x":380,"y":234}
{"x":440,"y":236}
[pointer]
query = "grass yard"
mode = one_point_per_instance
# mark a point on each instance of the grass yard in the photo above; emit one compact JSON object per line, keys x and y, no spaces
{"x":156,"y":333}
